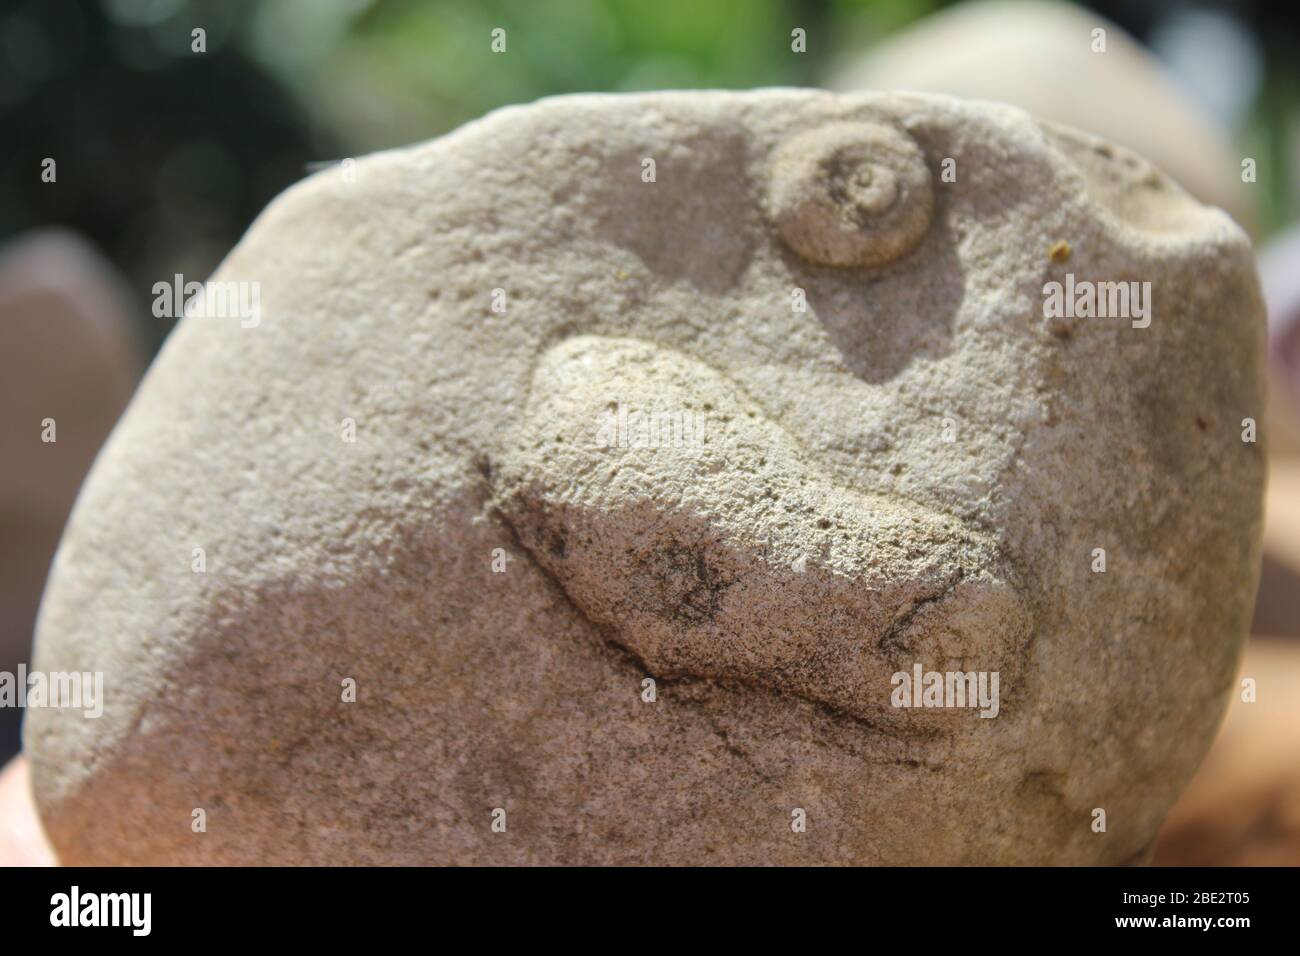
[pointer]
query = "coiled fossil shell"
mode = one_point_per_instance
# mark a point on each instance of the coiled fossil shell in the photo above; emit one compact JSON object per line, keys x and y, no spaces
{"x":851,"y":194}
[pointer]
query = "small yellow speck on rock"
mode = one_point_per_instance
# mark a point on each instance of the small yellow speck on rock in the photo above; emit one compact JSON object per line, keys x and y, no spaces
{"x":1059,"y":252}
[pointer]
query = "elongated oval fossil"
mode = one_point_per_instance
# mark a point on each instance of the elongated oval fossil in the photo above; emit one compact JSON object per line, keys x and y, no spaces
{"x":724,"y":552}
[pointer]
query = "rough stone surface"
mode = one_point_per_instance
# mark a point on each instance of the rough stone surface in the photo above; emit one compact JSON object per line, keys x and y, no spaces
{"x":916,"y":469}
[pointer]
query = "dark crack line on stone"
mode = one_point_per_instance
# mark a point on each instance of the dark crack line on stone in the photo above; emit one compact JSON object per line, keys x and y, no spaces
{"x":904,"y":618}
{"x":609,"y":638}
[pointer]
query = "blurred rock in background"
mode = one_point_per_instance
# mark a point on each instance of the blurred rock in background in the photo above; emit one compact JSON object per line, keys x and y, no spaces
{"x":1243,"y":807}
{"x":69,"y":364}
{"x":1043,"y":58}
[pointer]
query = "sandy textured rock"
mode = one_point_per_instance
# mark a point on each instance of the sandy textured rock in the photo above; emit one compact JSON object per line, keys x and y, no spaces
{"x":1040,"y":57}
{"x":916,"y":469}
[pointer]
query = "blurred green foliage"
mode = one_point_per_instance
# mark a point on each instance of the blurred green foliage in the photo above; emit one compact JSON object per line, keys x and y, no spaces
{"x":408,"y":69}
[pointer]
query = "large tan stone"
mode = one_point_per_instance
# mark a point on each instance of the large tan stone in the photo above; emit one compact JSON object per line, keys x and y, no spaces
{"x":768,"y":512}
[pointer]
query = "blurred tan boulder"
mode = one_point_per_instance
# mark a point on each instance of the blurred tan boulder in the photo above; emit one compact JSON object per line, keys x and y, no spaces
{"x":1243,"y":806}
{"x":1277,"y":605}
{"x":609,"y":480}
{"x":67,"y":367}
{"x":1040,"y":56}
